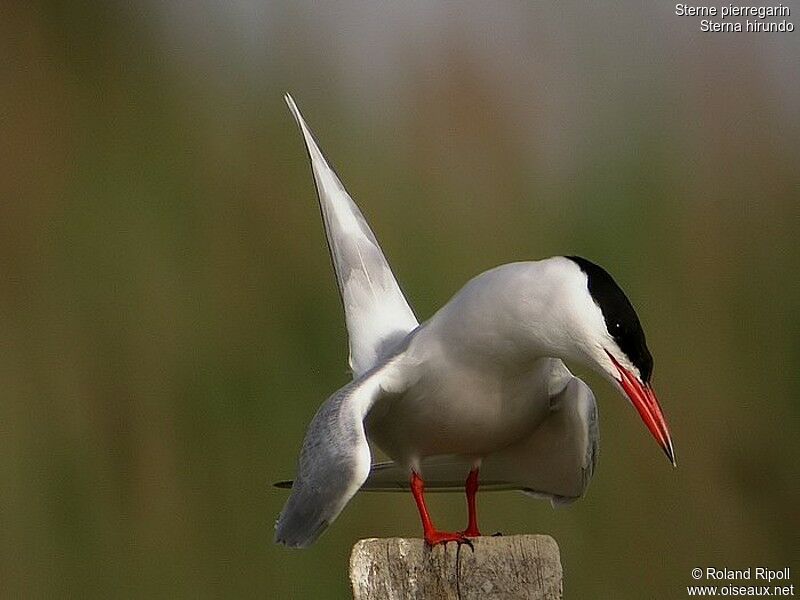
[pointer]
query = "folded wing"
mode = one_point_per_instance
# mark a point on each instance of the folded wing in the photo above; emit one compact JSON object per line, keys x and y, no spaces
{"x":376,"y":312}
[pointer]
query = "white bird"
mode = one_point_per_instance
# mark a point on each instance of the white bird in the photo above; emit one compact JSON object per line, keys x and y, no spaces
{"x":480,"y":387}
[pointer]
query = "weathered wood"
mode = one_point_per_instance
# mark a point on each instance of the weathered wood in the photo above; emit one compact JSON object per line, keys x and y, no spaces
{"x":517,"y":566}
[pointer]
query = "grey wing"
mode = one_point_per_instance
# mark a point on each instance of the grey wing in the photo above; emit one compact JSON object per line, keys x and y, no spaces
{"x":556,"y":461}
{"x":376,"y":311}
{"x":559,"y":459}
{"x":334,"y":460}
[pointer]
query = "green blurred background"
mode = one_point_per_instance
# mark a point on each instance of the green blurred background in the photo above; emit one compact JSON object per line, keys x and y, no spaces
{"x":169,"y":320}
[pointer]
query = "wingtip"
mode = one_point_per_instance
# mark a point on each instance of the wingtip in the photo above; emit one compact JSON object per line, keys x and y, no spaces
{"x":311,"y":144}
{"x":292,"y":539}
{"x":287,"y":97}
{"x":281,"y":540}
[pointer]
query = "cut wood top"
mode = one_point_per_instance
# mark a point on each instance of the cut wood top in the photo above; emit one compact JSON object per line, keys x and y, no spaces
{"x":516,"y":566}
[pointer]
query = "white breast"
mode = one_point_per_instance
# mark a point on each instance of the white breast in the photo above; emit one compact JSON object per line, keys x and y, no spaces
{"x":456,"y":410}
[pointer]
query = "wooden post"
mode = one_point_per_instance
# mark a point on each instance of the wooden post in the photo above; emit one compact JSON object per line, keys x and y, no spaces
{"x":516,"y":566}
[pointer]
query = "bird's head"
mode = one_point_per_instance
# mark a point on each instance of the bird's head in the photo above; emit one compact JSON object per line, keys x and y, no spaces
{"x":606,"y":330}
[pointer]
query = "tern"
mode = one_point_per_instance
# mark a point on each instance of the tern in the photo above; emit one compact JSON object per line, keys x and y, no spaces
{"x":480,"y":388}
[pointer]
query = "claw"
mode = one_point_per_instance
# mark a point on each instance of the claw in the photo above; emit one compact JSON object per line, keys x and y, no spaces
{"x":434,"y":538}
{"x":471,"y":533}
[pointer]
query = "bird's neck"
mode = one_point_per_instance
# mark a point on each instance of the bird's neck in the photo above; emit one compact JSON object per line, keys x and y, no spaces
{"x":508,"y":318}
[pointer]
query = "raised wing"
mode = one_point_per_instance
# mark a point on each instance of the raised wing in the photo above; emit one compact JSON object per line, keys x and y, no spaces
{"x":556,"y":461}
{"x":335,"y":457}
{"x":376,"y":312}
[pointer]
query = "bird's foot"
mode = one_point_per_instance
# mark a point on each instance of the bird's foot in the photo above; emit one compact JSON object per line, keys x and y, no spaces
{"x":434,"y":538}
{"x":471,"y":532}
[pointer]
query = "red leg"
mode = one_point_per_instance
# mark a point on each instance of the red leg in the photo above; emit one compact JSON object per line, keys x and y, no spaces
{"x":432,"y":535}
{"x":471,"y":487}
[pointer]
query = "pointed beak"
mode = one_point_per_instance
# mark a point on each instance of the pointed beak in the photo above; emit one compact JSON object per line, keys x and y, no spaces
{"x":645,"y":402}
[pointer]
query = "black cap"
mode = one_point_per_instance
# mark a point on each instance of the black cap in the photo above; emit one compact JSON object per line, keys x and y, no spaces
{"x":621,"y":319}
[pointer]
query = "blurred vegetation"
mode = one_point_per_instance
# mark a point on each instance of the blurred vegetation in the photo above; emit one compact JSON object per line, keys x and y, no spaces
{"x":169,"y":320}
